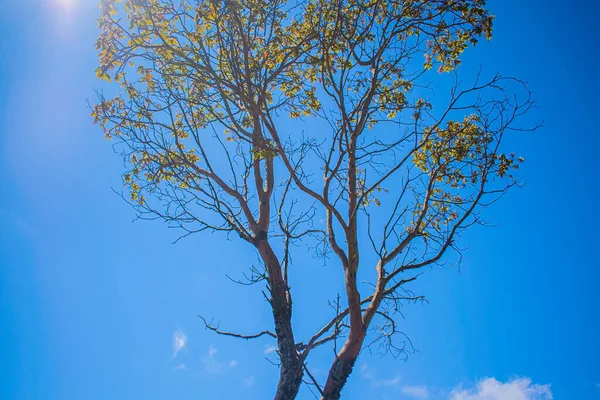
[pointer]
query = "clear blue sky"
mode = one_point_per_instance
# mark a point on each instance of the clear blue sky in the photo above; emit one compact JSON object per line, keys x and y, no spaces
{"x":90,"y":302}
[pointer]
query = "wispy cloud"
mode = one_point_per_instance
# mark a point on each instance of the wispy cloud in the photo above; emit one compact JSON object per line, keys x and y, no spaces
{"x":179,"y":342}
{"x":180,"y":367}
{"x":416,"y":392}
{"x":213,"y":365}
{"x":369,"y":374}
{"x":249,"y":381}
{"x":492,"y":389}
{"x":270,"y":348}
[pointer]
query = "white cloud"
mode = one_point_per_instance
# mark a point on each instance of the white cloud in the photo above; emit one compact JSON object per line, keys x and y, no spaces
{"x":180,"y":367}
{"x":270,"y":348}
{"x":417,"y":392}
{"x":212,"y":351}
{"x":249,"y":381}
{"x":369,"y":374}
{"x":179,"y":341}
{"x":213,"y":365}
{"x":514,"y":389}
{"x":366,"y":372}
{"x":387,"y":382}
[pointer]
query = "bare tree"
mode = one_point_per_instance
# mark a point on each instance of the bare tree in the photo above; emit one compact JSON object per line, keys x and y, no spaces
{"x":394,"y":171}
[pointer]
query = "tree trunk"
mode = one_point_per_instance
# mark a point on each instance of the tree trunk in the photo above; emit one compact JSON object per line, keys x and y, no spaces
{"x":291,"y":370}
{"x":342,"y":366}
{"x":344,"y":361}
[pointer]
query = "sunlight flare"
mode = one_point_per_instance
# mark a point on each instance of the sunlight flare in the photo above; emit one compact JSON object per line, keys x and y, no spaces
{"x":65,"y":4}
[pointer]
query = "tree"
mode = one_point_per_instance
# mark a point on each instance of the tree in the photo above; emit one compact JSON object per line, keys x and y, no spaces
{"x":396,"y":173}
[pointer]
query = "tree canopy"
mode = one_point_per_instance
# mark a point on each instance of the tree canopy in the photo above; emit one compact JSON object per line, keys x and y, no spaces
{"x":208,"y":90}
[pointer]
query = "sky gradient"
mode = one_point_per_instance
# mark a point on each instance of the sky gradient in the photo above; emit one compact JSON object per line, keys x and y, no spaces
{"x":93,"y":306}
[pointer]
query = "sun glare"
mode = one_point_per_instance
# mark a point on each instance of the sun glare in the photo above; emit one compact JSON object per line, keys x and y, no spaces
{"x":66,"y":3}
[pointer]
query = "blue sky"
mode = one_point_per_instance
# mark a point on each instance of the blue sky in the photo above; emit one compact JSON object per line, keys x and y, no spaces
{"x":91,"y":303}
